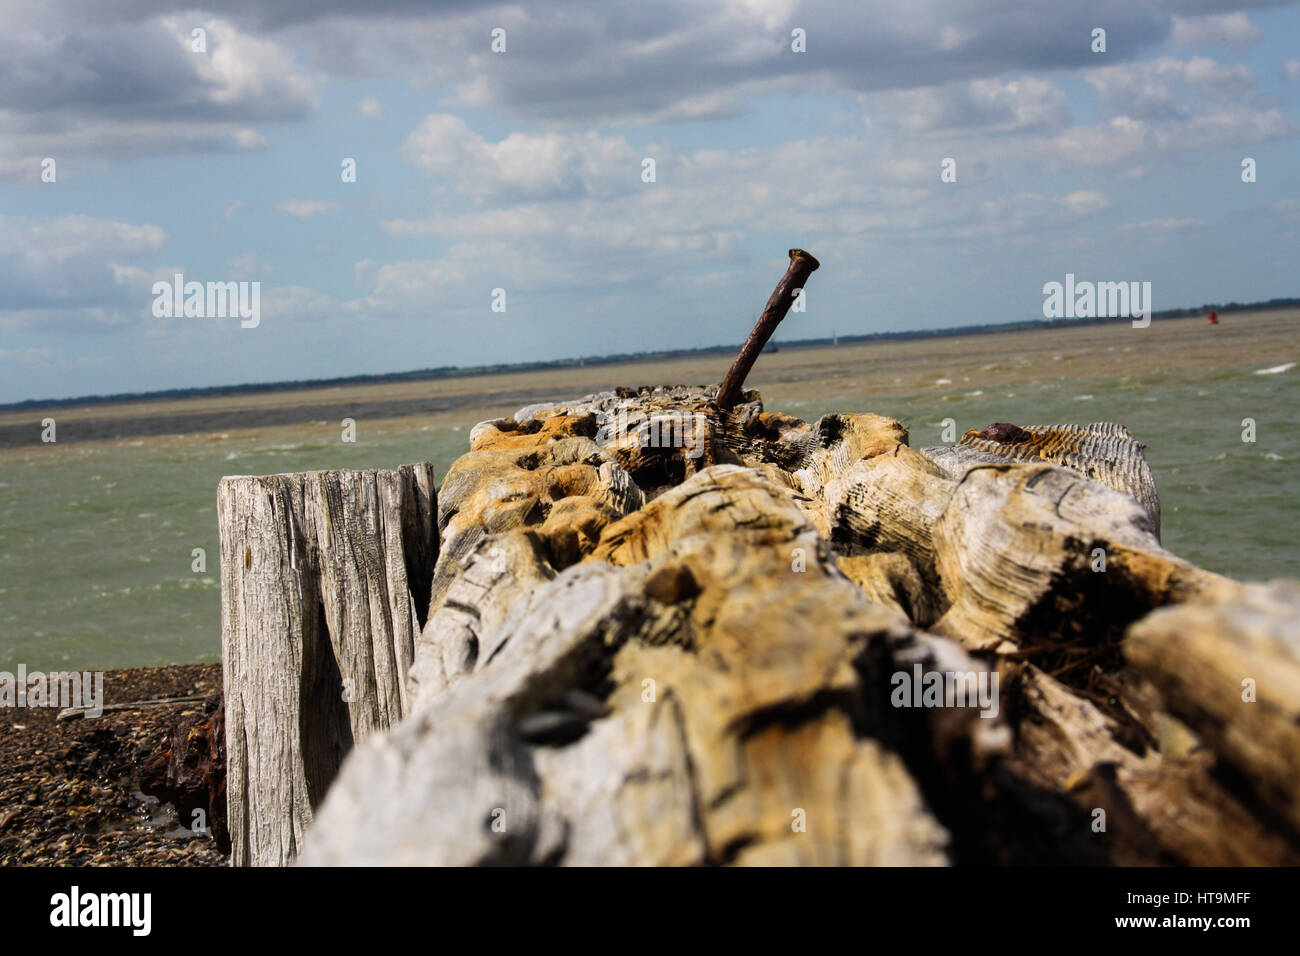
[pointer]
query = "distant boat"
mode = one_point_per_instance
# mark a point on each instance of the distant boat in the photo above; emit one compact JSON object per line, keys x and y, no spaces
{"x":1213,"y":319}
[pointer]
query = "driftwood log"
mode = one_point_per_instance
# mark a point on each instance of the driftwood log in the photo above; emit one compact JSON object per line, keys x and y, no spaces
{"x":650,"y":630}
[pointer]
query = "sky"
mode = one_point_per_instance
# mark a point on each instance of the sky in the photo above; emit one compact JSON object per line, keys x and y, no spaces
{"x":771,"y":124}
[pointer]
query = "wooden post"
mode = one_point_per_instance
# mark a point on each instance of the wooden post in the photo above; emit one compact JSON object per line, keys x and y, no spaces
{"x":324,"y":582}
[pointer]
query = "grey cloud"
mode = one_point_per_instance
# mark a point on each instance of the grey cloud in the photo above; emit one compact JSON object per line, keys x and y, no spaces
{"x":72,"y":263}
{"x":569,"y":62}
{"x":90,"y":85}
{"x":582,"y":61}
{"x":146,"y":71}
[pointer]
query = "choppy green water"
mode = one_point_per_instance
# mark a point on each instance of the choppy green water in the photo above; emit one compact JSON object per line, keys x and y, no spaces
{"x":96,"y":543}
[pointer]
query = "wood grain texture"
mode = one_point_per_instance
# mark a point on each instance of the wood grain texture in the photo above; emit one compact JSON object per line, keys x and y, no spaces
{"x":1231,"y":670}
{"x":321,"y":578}
{"x":1155,"y":808}
{"x":735,"y":697}
{"x":1102,"y":452}
{"x":645,"y":649}
{"x":1028,"y":553}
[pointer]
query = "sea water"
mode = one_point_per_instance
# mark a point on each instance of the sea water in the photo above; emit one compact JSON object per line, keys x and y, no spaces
{"x":97,"y":542}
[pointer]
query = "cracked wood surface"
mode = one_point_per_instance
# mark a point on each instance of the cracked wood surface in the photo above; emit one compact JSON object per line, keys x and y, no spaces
{"x":659,"y":633}
{"x":1231,"y":670}
{"x":321,"y":578}
{"x":735,"y":720}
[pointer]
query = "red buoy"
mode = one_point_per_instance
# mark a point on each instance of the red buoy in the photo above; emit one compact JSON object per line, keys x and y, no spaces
{"x":1214,"y":318}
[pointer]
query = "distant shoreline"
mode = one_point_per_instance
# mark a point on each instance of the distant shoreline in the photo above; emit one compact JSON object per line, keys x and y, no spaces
{"x":455,"y":371}
{"x":877,"y":367}
{"x":71,"y":791}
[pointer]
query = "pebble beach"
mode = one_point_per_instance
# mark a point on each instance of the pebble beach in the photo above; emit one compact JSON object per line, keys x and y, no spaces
{"x":70,"y":793}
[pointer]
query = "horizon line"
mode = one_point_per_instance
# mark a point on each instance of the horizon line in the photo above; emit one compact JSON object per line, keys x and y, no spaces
{"x":615,"y":358}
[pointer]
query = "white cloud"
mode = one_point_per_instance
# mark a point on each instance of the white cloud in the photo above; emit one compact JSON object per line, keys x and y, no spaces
{"x":1085,"y":201}
{"x":697,"y":220}
{"x":244,"y":71}
{"x":1170,"y":87}
{"x":371,"y":108}
{"x":1026,"y":103}
{"x":248,"y":266}
{"x":400,"y":285}
{"x":525,"y":166}
{"x":305,"y":208}
{"x":293,"y":303}
{"x":70,"y":271}
{"x":249,"y":139}
{"x":1168,"y":224}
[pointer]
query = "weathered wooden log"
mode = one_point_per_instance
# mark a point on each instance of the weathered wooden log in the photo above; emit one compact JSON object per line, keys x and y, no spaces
{"x":641,"y":648}
{"x":890,"y":579}
{"x":1145,"y":807}
{"x":495,"y":489}
{"x":1102,"y":452}
{"x":73,"y":713}
{"x":1231,"y":670}
{"x":1033,"y":553}
{"x":324,"y":577}
{"x":1014,"y":552}
{"x":703,"y":688}
{"x":891,"y":501}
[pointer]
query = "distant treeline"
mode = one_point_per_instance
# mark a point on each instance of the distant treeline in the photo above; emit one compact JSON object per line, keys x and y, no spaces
{"x":454,"y":371}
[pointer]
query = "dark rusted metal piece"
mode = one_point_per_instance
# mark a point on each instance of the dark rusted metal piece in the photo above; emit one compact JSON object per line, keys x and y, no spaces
{"x":189,"y":771}
{"x":1006,"y":433}
{"x":802,"y":265}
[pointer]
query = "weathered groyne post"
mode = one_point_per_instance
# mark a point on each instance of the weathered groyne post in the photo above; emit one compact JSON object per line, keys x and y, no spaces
{"x":324,"y":582}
